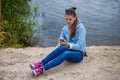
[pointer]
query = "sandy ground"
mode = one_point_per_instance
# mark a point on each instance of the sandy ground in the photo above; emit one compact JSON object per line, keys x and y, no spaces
{"x":102,"y":63}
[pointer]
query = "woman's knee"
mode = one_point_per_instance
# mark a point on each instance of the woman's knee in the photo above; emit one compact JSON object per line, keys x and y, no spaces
{"x":64,"y":55}
{"x":63,"y":47}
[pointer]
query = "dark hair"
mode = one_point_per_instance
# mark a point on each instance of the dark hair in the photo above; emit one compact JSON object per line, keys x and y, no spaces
{"x":71,"y":11}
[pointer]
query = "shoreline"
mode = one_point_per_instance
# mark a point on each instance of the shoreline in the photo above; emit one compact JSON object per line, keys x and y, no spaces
{"x":102,"y":63}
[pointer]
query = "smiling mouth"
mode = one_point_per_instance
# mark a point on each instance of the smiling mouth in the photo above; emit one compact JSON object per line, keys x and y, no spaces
{"x":69,"y":23}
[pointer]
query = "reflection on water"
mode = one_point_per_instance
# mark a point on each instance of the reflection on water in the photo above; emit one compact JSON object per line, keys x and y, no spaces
{"x":100,"y":17}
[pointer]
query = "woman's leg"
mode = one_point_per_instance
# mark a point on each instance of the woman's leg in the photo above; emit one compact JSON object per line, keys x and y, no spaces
{"x":75,"y":56}
{"x":54,"y":54}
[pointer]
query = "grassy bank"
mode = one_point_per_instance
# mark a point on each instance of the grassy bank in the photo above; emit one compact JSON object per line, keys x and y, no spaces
{"x":16,"y":27}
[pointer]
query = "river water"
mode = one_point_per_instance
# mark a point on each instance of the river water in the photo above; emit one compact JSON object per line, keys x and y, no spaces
{"x":101,"y":19}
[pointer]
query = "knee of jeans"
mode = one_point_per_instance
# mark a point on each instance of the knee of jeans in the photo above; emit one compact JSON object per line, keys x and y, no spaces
{"x":64,"y":54}
{"x":63,"y":46}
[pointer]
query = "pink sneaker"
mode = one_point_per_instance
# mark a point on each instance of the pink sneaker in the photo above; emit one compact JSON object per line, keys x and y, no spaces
{"x":35,"y":65}
{"x":37,"y":71}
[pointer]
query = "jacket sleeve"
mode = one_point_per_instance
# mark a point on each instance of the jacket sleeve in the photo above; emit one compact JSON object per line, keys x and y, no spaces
{"x":81,"y":42}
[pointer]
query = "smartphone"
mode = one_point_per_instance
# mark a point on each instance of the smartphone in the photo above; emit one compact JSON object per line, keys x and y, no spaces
{"x":62,"y":40}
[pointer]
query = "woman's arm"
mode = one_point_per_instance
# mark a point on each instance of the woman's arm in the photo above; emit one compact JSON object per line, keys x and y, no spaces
{"x":81,"y":42}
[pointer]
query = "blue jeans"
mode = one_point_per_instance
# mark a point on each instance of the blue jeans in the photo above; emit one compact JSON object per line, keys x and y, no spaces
{"x":59,"y":55}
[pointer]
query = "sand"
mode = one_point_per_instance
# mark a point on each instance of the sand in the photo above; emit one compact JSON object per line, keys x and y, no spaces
{"x":102,"y":63}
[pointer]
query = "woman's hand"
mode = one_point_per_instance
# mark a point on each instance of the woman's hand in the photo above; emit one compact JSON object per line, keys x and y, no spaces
{"x":63,"y":42}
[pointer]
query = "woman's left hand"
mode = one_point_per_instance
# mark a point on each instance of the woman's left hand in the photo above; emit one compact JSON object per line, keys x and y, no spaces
{"x":64,"y":43}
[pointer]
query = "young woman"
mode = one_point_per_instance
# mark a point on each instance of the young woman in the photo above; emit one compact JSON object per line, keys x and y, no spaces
{"x":72,"y":44}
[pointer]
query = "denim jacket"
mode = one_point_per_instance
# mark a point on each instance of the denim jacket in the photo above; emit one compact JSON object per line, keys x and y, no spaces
{"x":78,"y":42}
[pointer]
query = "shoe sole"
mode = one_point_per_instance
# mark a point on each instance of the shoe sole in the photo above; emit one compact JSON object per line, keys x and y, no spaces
{"x":32,"y":67}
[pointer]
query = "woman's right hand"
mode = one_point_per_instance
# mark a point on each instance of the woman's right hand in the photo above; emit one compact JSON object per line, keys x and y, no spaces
{"x":63,"y":42}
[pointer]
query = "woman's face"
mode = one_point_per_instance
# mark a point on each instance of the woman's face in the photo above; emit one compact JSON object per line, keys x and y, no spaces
{"x":69,"y":19}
